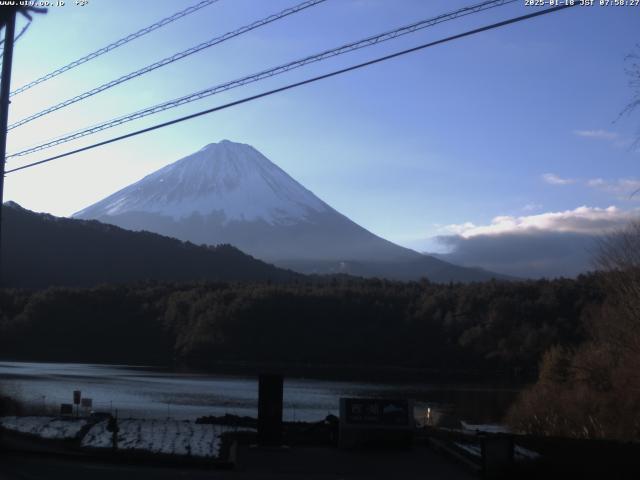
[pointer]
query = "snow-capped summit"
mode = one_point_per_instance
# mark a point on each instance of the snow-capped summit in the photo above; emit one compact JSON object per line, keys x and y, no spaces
{"x":229,"y":192}
{"x":232,"y":180}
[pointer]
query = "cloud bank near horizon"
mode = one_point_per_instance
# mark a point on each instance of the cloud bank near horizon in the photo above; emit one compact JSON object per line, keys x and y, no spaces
{"x":550,"y":244}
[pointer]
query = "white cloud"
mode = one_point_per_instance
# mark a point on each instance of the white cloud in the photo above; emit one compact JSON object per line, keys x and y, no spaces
{"x":597,"y":134}
{"x":622,"y":187}
{"x":530,"y":207}
{"x":595,"y":182}
{"x":545,"y":245}
{"x":458,"y":229}
{"x":586,"y":220}
{"x":553,"y":179}
{"x":613,"y":138}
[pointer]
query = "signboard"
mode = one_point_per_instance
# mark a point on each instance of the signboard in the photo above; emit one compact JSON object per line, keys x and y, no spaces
{"x":77,"y":394}
{"x":375,"y":421}
{"x":376,"y":412}
{"x":86,"y":403}
{"x":66,"y":409}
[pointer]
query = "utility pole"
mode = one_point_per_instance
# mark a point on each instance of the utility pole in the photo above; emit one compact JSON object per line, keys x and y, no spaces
{"x":5,"y":91}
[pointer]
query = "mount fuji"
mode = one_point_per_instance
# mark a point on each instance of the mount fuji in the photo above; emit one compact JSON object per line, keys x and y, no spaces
{"x":229,"y":192}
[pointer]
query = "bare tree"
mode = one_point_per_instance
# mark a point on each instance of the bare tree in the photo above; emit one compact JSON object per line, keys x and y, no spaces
{"x":619,"y":259}
{"x":593,"y":391}
{"x":633,"y":73}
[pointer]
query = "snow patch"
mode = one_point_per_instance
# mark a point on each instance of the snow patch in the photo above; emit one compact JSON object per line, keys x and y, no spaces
{"x":45,"y":427}
{"x":519,"y":453}
{"x":171,"y":437}
{"x":522,"y":453}
{"x":227,"y":178}
{"x":470,"y":448}
{"x":489,"y":428}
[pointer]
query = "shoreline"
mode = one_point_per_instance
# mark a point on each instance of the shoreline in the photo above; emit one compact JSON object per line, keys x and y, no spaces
{"x":391,"y":375}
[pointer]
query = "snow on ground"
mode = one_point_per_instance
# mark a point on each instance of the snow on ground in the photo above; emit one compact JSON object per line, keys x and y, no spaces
{"x":492,"y":428}
{"x":519,"y":453}
{"x":45,"y":427}
{"x":471,"y":448}
{"x":159,"y":436}
{"x":172,"y":437}
{"x":98,"y":436}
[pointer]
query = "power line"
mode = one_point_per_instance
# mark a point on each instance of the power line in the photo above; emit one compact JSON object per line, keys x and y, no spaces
{"x":297,"y":84}
{"x":259,"y":76}
{"x":26,"y":12}
{"x":383,"y":37}
{"x":22,"y":32}
{"x":116,"y":44}
{"x":168,"y":60}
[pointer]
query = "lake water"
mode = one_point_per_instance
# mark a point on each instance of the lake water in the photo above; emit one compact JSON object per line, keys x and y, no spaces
{"x":147,"y":392}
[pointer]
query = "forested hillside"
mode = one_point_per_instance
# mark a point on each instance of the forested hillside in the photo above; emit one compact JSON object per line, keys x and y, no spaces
{"x":40,"y":250}
{"x":490,"y":329}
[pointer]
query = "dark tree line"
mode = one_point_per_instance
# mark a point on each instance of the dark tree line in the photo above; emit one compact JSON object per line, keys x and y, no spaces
{"x":490,"y":329}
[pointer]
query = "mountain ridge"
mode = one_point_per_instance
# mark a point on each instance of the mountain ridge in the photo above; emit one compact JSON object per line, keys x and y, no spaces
{"x":41,"y":250}
{"x":229,"y":192}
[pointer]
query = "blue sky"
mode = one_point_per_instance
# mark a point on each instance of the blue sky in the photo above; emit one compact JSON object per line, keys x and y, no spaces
{"x":519,"y":123}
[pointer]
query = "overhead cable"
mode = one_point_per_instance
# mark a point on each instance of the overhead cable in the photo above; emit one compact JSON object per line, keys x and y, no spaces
{"x":116,"y":44}
{"x":168,"y":60}
{"x":294,"y":85}
{"x":264,"y":74}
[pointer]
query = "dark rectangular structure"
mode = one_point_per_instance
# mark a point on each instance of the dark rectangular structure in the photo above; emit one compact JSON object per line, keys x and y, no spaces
{"x":270,"y":395}
{"x":376,"y":412}
{"x":497,"y":454}
{"x":375,"y":421}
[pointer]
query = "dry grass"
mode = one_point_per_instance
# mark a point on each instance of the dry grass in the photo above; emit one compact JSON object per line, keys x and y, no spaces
{"x":590,"y":393}
{"x":594,"y":392}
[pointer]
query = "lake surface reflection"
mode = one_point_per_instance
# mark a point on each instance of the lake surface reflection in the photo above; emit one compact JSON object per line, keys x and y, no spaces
{"x":147,"y":392}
